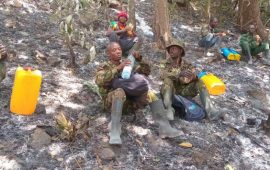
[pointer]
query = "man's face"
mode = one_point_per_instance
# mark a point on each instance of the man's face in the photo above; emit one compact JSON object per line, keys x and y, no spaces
{"x":115,"y":52}
{"x":175,"y":51}
{"x":214,"y":23}
{"x":122,"y":19}
{"x":252,"y":29}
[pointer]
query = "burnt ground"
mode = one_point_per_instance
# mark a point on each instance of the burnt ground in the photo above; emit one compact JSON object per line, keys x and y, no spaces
{"x":228,"y":141}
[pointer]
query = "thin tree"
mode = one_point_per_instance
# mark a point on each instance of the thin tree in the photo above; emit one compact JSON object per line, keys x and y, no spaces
{"x":131,"y":13}
{"x":249,"y":13}
{"x":161,"y":24}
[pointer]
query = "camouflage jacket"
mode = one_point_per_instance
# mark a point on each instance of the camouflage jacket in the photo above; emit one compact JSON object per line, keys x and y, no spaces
{"x":206,"y":29}
{"x":250,"y":39}
{"x":168,"y":71}
{"x":107,"y":72}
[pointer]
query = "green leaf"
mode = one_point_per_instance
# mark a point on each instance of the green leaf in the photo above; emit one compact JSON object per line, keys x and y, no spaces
{"x":69,"y":19}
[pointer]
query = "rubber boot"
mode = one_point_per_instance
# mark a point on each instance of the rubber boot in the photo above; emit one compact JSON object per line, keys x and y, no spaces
{"x":266,"y":57}
{"x":2,"y":70}
{"x":115,"y":124}
{"x":3,"y":56}
{"x":165,"y":129}
{"x":248,"y":56}
{"x":267,"y":123}
{"x":212,"y":112}
{"x":167,"y":100}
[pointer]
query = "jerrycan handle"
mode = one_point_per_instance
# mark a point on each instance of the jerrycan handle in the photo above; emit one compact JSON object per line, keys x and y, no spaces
{"x":201,"y":74}
{"x":28,"y":69}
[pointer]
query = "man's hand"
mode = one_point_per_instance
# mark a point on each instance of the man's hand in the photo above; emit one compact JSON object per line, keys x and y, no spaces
{"x":258,"y":39}
{"x":123,"y":64}
{"x":129,"y":27}
{"x":186,"y":77}
{"x":221,"y":34}
{"x":3,"y":52}
{"x":137,"y":55}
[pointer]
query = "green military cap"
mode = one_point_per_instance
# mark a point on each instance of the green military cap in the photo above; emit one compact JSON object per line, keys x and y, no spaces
{"x":178,"y":43}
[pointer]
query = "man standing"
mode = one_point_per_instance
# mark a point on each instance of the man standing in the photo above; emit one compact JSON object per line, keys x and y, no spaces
{"x":252,"y":45}
{"x":179,"y":78}
{"x":119,"y":94}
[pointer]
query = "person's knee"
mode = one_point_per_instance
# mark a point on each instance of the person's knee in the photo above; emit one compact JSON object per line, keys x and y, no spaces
{"x":265,"y":46}
{"x":168,"y":81}
{"x":244,"y":45}
{"x":119,"y":93}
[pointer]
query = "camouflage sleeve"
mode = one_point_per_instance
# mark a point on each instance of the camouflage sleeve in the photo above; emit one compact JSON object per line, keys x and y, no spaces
{"x":143,"y":67}
{"x":188,"y":90}
{"x":246,"y":38}
{"x":218,"y":30}
{"x":187,"y":67}
{"x":105,"y":74}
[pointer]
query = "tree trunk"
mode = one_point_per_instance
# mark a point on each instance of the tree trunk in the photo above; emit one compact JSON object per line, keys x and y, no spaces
{"x":131,"y":13}
{"x":249,"y":13}
{"x":208,"y":9}
{"x":161,"y":24}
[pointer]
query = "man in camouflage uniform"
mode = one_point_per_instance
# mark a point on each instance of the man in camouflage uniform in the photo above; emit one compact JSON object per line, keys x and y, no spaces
{"x":116,"y":99}
{"x":179,"y":78}
{"x":252,"y":45}
{"x":3,"y":55}
{"x":211,"y":35}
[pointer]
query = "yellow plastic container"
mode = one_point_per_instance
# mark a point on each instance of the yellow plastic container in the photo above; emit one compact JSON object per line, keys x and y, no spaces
{"x":25,"y":91}
{"x":212,"y":83}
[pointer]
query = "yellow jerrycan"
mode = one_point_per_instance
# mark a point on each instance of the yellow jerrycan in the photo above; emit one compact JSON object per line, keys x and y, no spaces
{"x":212,"y":83}
{"x":25,"y":91}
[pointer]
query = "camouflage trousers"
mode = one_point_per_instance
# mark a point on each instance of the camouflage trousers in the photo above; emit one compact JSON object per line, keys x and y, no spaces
{"x":253,"y":51}
{"x":130,"y":103}
{"x":189,"y":90}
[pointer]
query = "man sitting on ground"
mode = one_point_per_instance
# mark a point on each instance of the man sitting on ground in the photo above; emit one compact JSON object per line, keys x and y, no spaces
{"x":119,"y":94}
{"x":252,"y":44}
{"x":179,"y":78}
{"x":211,"y":35}
{"x":122,"y":33}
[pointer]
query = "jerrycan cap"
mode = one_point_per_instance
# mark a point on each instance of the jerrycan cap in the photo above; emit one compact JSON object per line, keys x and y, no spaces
{"x":201,"y":74}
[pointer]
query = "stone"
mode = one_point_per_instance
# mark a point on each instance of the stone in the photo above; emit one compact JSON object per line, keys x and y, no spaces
{"x":10,"y":162}
{"x":40,"y":109}
{"x":40,"y":138}
{"x":107,"y":168}
{"x":107,"y":154}
{"x":54,"y":62}
{"x":114,"y":4}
